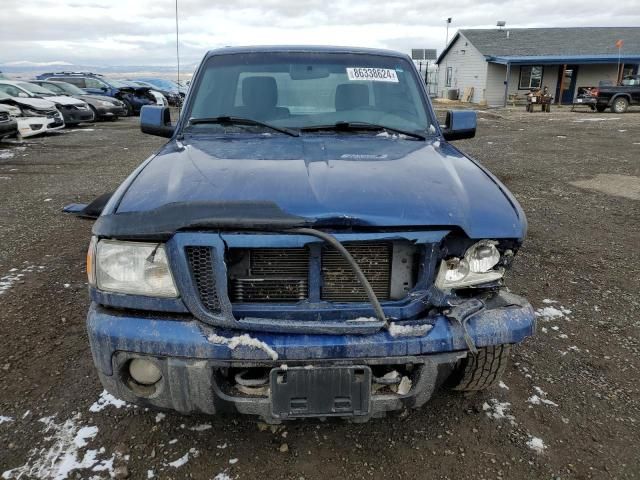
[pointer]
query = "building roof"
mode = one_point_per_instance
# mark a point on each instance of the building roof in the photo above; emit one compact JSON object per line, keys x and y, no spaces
{"x":560,"y":43}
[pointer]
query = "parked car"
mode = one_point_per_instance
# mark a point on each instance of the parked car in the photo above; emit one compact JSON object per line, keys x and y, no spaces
{"x":33,"y":115}
{"x":160,"y":99}
{"x":73,"y":110}
{"x":307,"y":244}
{"x":173,"y":97}
{"x":618,"y":98}
{"x":8,"y":124}
{"x":133,"y":98}
{"x":165,"y":85}
{"x":104,"y":108}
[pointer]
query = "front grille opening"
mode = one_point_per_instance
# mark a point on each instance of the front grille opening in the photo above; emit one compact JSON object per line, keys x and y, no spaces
{"x":268,"y":274}
{"x":201,"y":264}
{"x":340,"y":283}
{"x":281,"y":275}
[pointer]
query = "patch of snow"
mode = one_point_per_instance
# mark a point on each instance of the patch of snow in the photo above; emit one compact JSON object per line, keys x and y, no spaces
{"x":150,"y":474}
{"x":6,"y":154}
{"x":396,"y":330}
{"x":544,"y":330}
{"x":536,"y":444}
{"x":222,"y":447}
{"x":548,"y":301}
{"x":245,"y":341}
{"x":498,"y":410}
{"x":48,"y":199}
{"x":362,"y":319}
{"x":222,"y":476}
{"x":105,"y":400}
{"x":174,"y":441}
{"x":201,"y":428}
{"x":540,"y":398}
{"x":180,"y":462}
{"x":63,"y":456}
{"x":551,"y":313}
{"x":8,"y":281}
{"x":233,"y":461}
{"x":160,"y":416}
{"x":4,"y":419}
{"x":563,"y":336}
{"x":503,"y":385}
{"x":536,"y":400}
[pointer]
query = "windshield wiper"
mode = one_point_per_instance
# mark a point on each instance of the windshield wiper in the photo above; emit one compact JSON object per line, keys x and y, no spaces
{"x":352,"y":126}
{"x":229,"y":120}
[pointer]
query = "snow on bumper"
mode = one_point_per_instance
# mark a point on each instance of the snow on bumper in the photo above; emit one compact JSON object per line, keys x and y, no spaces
{"x":114,"y":331}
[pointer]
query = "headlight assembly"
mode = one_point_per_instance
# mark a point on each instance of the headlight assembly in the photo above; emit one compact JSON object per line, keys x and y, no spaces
{"x":477,"y":267}
{"x":106,"y":104}
{"x":130,"y":267}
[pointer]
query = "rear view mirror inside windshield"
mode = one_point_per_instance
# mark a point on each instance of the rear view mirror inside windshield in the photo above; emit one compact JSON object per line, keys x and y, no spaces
{"x":307,"y":72}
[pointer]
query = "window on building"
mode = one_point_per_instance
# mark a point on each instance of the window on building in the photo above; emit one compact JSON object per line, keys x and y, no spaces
{"x":530,"y":77}
{"x":448,"y":76}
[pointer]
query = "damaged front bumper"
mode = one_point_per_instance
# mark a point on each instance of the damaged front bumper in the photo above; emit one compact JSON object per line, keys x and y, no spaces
{"x":195,"y":358}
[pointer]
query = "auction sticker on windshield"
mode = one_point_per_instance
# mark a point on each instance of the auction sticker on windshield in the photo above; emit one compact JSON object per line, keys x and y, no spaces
{"x":372,"y":74}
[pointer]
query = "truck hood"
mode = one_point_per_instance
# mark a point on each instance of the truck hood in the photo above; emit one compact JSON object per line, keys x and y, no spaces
{"x":365,"y":180}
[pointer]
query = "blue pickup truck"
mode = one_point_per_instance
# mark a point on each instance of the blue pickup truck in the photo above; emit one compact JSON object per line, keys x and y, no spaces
{"x":307,"y":244}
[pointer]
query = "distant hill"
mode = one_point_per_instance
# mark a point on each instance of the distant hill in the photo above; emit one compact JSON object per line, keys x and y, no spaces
{"x":26,"y":69}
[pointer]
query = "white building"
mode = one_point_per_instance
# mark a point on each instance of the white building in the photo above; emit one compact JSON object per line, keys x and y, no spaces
{"x":498,"y":63}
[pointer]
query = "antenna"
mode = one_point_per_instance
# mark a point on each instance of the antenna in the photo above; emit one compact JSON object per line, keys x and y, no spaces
{"x":177,"y":48}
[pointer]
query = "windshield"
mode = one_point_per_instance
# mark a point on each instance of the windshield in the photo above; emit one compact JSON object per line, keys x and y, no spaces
{"x":120,"y":84}
{"x":159,"y":82}
{"x":35,"y":89}
{"x":68,"y":88}
{"x":298,"y":90}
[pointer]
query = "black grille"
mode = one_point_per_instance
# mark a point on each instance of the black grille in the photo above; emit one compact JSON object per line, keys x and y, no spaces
{"x":201,"y":264}
{"x":282,"y":275}
{"x":270,"y":275}
{"x":340,"y":284}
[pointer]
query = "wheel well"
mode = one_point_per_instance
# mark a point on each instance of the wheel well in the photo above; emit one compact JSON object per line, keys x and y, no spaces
{"x":626,"y":96}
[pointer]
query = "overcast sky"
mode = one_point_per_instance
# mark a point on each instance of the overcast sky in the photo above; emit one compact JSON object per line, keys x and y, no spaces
{"x":142,"y":32}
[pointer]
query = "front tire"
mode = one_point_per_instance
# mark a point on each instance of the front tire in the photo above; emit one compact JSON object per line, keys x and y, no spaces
{"x":128,"y":108}
{"x":620,"y":105}
{"x":481,"y":371}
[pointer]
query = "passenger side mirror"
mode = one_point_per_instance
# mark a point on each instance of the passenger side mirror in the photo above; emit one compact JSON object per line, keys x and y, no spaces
{"x":156,"y":120}
{"x":460,"y":124}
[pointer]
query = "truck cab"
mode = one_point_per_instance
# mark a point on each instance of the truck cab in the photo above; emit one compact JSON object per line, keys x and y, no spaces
{"x":306,"y":244}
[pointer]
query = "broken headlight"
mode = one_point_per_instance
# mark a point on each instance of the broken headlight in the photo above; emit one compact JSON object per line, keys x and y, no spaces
{"x":130,"y":267}
{"x":475,"y":268}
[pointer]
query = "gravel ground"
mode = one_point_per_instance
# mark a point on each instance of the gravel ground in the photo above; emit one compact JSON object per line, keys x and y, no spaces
{"x":569,"y":404}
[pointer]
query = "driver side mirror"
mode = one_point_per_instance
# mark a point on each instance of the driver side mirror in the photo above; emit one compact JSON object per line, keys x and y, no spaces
{"x":460,"y":124}
{"x":156,"y":120}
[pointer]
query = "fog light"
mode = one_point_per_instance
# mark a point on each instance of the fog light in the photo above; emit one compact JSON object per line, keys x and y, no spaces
{"x":144,"y":372}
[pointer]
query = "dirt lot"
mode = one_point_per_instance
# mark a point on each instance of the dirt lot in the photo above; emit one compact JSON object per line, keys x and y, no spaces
{"x":569,"y":406}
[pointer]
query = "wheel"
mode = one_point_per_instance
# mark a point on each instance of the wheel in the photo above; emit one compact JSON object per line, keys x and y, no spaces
{"x":481,"y":371}
{"x":620,"y":105}
{"x":96,"y":117}
{"x":128,"y":108}
{"x":601,"y":108}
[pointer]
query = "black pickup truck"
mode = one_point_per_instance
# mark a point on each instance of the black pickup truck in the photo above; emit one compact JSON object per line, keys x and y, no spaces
{"x":618,"y":98}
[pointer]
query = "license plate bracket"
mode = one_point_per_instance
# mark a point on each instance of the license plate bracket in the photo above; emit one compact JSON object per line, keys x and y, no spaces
{"x":303,"y":392}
